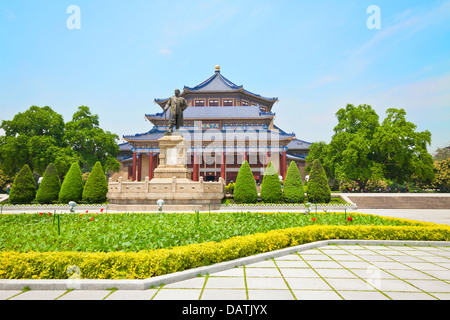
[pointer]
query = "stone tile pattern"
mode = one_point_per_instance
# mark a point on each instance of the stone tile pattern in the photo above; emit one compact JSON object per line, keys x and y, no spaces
{"x":334,"y":272}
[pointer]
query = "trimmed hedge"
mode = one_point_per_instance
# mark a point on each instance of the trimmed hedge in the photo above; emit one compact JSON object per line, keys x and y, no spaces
{"x":146,"y":264}
{"x":23,"y":189}
{"x":96,"y":187}
{"x":50,"y":186}
{"x":293,"y":185}
{"x":72,"y":186}
{"x":318,"y":190}
{"x":245,"y":187}
{"x":271,"y":185}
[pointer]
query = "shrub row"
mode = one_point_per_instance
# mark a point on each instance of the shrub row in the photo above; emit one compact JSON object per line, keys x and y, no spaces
{"x":50,"y":190}
{"x":146,"y":264}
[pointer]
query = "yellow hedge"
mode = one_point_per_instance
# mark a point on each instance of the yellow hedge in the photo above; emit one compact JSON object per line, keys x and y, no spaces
{"x":146,"y":264}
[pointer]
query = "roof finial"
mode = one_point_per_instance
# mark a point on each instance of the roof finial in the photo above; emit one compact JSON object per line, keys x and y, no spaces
{"x":218,"y":68}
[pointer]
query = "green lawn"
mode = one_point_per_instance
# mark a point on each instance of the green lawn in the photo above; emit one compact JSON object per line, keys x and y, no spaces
{"x":135,"y":232}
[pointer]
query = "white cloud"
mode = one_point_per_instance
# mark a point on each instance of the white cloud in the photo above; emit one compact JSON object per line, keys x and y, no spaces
{"x":165,"y":51}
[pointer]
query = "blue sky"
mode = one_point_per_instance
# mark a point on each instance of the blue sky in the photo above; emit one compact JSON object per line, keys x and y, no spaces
{"x":315,"y":56}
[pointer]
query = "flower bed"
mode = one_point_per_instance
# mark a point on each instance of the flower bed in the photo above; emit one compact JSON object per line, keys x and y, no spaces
{"x":149,"y":263}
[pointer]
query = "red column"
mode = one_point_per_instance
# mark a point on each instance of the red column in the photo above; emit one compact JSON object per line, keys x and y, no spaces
{"x":223,"y":166}
{"x":150,"y":166}
{"x":134,"y":167}
{"x":267,"y":158}
{"x":139,"y":177}
{"x":196,"y":177}
{"x":245,"y":155}
{"x":283,"y":164}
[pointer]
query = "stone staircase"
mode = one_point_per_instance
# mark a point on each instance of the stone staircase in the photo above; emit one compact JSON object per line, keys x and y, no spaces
{"x":401,"y":202}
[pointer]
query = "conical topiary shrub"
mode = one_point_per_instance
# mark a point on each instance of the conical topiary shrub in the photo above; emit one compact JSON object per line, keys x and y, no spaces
{"x":245,"y":187}
{"x":96,"y":187}
{"x":271,"y":185}
{"x":72,"y":187}
{"x":318,"y":189}
{"x":23,"y":190}
{"x":293,"y":185}
{"x":50,"y":186}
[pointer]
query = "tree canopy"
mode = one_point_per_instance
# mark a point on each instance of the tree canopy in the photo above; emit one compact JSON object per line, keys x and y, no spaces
{"x":39,"y":136}
{"x":362,"y":149}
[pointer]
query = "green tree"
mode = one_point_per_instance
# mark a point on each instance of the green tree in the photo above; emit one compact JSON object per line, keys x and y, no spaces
{"x":362,"y":150}
{"x":402,"y":151}
{"x":318,"y":189}
{"x":271,"y":185}
{"x":293,"y":186}
{"x":245,"y":187}
{"x":72,"y":186}
{"x":96,"y":187}
{"x":50,"y":186}
{"x":90,"y":142}
{"x":442,"y":175}
{"x":23,"y":190}
{"x":442,"y":153}
{"x":30,"y":138}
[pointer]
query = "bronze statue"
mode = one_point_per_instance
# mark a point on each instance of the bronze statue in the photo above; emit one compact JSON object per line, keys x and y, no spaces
{"x":177,"y":105}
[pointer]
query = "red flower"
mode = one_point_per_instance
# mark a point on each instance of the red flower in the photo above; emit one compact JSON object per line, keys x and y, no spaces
{"x":49,"y":213}
{"x":41,"y":213}
{"x":92,"y":219}
{"x":313,"y":219}
{"x":87,"y":211}
{"x":349,"y":219}
{"x":81,"y":215}
{"x":101,"y":210}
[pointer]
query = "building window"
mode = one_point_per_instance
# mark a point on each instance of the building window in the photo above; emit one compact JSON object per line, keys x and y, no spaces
{"x":213,"y":103}
{"x":228,"y":102}
{"x":199,"y":103}
{"x":245,"y":103}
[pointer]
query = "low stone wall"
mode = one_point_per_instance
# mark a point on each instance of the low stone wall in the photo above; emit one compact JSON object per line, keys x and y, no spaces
{"x":178,"y":194}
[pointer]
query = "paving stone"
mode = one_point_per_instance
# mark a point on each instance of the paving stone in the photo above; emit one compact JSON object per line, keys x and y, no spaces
{"x":266,"y":283}
{"x":393,"y":285}
{"x":349,"y":284}
{"x":262,"y":272}
{"x":291,"y":264}
{"x":225,"y":283}
{"x":412,"y":274}
{"x":299,"y":273}
{"x":132,"y":294}
{"x":235,"y":272}
{"x":335,"y":273}
{"x":197,"y":282}
{"x":363,"y":295}
{"x":39,"y":295}
{"x":178,"y":294}
{"x":5,"y":294}
{"x":270,"y":295}
{"x":316,"y":295}
{"x":222,"y":294}
{"x":431,"y":285}
{"x":307,"y":284}
{"x":409,"y":296}
{"x":425,"y":266}
{"x":85,"y":295}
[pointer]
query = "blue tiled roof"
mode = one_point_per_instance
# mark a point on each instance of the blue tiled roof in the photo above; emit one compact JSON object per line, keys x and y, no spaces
{"x":216,"y":82}
{"x":216,"y":113}
{"x":219,"y":83}
{"x":156,"y":134}
{"x":299,"y":144}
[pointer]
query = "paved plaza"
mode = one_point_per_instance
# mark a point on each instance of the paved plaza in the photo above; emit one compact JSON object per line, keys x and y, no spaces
{"x":331,"y":272}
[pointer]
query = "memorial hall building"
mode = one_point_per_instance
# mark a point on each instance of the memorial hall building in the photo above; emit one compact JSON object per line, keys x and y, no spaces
{"x":224,"y":125}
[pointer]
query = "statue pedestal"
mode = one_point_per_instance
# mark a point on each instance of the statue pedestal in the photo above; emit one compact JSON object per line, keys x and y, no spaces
{"x":171,"y":183}
{"x":172,"y":158}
